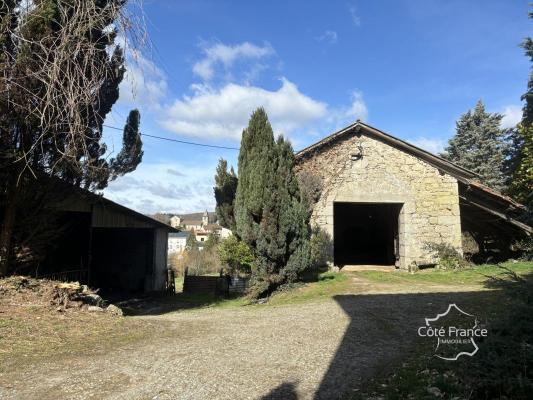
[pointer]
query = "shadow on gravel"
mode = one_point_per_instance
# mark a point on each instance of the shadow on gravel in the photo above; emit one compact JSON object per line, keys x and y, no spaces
{"x":382,"y":329}
{"x":162,"y":303}
{"x":285,"y":391}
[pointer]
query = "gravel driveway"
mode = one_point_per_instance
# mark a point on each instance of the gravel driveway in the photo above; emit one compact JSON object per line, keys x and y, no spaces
{"x":319,"y":350}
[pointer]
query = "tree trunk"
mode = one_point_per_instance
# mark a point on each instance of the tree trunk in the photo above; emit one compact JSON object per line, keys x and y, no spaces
{"x":8,"y":224}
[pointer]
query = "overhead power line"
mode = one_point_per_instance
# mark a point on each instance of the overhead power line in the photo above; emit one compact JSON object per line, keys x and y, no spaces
{"x":177,"y":140}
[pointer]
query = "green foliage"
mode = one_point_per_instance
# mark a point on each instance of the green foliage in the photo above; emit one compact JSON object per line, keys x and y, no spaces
{"x":236,"y":255}
{"x":527,"y":117}
{"x":448,"y":257}
{"x":525,"y":246}
{"x":212,"y":242}
{"x":269,"y":212}
{"x":198,"y":262}
{"x":76,"y":157}
{"x":479,"y":146}
{"x":225,"y":190}
{"x":521,"y":187}
{"x":321,"y":248}
{"x":131,"y":154}
{"x":310,"y":187}
{"x":520,"y":158}
{"x":257,"y":158}
{"x":191,"y":244}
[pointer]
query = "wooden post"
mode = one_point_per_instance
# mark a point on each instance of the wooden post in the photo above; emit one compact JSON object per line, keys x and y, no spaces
{"x":89,"y":256}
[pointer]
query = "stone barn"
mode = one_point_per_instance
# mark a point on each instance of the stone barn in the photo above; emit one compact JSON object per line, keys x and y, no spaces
{"x":382,"y":200}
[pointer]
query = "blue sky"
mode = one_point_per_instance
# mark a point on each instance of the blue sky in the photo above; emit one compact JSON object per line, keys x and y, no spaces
{"x":408,"y":67}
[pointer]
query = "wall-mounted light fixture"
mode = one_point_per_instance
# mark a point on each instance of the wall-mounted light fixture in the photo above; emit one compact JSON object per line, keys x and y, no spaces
{"x":358,"y":154}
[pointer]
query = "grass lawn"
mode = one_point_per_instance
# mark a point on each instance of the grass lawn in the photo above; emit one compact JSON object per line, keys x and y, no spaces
{"x":474,"y":275}
{"x":330,"y":284}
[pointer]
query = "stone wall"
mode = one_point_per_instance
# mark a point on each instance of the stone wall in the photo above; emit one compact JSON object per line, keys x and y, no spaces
{"x":430,"y":211}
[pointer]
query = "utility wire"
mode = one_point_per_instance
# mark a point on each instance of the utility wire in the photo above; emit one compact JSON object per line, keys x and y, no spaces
{"x":177,"y":141}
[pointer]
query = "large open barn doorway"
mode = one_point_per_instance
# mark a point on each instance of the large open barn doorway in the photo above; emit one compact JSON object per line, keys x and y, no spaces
{"x":366,"y":233}
{"x":121,"y":258}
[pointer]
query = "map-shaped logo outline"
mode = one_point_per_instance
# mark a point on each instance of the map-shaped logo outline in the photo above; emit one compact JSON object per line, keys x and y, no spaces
{"x":462,"y":353}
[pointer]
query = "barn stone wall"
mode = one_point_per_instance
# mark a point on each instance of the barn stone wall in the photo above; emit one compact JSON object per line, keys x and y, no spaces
{"x":430,"y":199}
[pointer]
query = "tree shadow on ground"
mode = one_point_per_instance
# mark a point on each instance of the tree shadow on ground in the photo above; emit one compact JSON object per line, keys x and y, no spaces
{"x":285,"y":391}
{"x":144,"y":304}
{"x":384,"y":328}
{"x":162,"y":303}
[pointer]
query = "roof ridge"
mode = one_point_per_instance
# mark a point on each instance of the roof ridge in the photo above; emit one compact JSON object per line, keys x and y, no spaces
{"x":451,"y":168}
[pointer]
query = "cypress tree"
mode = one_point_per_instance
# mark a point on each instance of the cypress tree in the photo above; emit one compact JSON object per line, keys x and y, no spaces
{"x":270,"y":214}
{"x":131,"y":154}
{"x":225,"y":190}
{"x":256,"y":176}
{"x":479,"y":146}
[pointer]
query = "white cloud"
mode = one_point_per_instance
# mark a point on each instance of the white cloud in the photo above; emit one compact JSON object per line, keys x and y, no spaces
{"x":216,"y":109}
{"x":357,"y":109}
{"x":227,"y":55}
{"x":167,"y":187}
{"x":223,"y":113}
{"x":512,"y":115}
{"x":342,"y":116}
{"x":328,"y":37}
{"x":144,"y":83}
{"x":354,"y":15}
{"x":434,"y":146}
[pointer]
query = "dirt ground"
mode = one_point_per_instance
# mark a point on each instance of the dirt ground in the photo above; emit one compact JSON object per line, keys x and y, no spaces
{"x":313,"y":350}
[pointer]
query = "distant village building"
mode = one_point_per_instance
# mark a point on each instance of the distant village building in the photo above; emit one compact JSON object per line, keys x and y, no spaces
{"x":175,"y":221}
{"x":177,"y":242}
{"x":201,"y":225}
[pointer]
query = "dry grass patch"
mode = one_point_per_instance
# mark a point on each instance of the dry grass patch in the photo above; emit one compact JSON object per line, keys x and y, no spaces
{"x":33,"y":329}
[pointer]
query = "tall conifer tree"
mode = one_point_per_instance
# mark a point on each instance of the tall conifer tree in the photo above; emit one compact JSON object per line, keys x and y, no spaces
{"x":271,"y":216}
{"x":225,"y":190}
{"x":256,"y":176}
{"x":479,"y":146}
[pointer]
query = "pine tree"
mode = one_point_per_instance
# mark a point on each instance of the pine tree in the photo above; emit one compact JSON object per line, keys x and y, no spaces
{"x":225,"y":190}
{"x":479,"y":146}
{"x":270,"y":214}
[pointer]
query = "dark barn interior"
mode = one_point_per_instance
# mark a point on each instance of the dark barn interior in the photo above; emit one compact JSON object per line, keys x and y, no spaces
{"x":493,"y":222}
{"x":121,"y":258}
{"x":365,"y":233}
{"x":112,"y":259}
{"x":105,"y":245}
{"x":70,"y":250}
